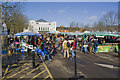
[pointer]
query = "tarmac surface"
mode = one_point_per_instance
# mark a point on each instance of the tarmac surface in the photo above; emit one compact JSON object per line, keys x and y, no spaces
{"x":102,"y":65}
{"x":88,"y":66}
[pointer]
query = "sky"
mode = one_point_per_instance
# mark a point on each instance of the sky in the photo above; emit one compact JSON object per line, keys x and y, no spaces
{"x":62,"y":0}
{"x":63,"y":13}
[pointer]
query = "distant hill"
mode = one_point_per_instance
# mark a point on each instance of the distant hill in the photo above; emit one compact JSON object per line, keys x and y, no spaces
{"x":41,"y":20}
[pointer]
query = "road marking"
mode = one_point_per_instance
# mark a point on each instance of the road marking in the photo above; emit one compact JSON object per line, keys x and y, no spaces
{"x":5,"y":72}
{"x":30,"y":72}
{"x":19,"y":72}
{"x":107,"y":66}
{"x":38,"y":74}
{"x":47,"y":69}
{"x":46,"y":77}
{"x":18,"y":67}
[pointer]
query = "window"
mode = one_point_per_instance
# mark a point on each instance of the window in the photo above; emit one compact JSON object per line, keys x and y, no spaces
{"x":36,"y":23}
{"x":39,"y":28}
{"x":48,"y":28}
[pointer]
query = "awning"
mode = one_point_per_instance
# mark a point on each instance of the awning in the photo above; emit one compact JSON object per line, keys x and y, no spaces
{"x":27,"y":34}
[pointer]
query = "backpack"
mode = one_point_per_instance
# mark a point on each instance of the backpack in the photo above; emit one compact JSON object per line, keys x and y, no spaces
{"x":68,"y":44}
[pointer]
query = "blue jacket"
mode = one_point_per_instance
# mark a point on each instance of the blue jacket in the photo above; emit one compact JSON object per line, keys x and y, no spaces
{"x":96,"y":44}
{"x":46,"y":51}
{"x":40,"y":52}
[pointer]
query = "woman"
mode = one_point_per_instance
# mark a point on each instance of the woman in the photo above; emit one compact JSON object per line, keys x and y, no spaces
{"x":73,"y":49}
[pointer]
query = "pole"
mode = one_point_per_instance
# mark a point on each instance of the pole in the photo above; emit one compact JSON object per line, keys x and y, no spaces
{"x":33,"y":59}
{"x":75,"y":65}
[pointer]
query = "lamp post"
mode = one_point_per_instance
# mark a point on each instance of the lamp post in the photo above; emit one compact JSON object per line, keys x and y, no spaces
{"x":75,"y":65}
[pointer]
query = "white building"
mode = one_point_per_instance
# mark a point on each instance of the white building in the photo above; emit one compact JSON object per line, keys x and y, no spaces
{"x":41,"y":25}
{"x":3,"y":28}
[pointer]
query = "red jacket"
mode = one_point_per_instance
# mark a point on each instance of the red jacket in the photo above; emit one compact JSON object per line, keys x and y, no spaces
{"x":77,"y":39}
{"x":74,"y":45}
{"x":63,"y":40}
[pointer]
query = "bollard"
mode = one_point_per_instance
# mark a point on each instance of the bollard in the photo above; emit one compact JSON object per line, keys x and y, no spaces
{"x":33,"y":59}
{"x":75,"y":65}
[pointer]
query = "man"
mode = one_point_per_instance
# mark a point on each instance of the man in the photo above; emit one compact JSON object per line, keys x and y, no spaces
{"x":90,"y":45}
{"x":66,"y":49}
{"x":82,"y":42}
{"x":60,"y":43}
{"x":95,"y":46}
{"x":46,"y":52}
{"x":85,"y":45}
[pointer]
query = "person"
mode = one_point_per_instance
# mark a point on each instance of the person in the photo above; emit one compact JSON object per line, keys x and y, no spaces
{"x":85,"y":45}
{"x":33,"y":41}
{"x":73,"y":49}
{"x":65,"y":48}
{"x":38,"y":43}
{"x":95,"y":46}
{"x":40,"y":52}
{"x":81,"y":46}
{"x":90,"y":45}
{"x":16,"y":42}
{"x":60,"y":44}
{"x":58,"y":41}
{"x":46,"y":52}
{"x":42,"y":45}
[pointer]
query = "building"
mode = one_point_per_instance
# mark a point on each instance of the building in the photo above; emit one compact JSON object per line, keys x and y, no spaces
{"x":41,"y":26}
{"x":3,"y":28}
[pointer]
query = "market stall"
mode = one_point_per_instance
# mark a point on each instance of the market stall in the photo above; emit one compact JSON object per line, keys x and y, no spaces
{"x":109,"y":41}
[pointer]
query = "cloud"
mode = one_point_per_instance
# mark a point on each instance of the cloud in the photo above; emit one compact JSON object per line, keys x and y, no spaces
{"x":85,"y":11}
{"x":92,"y":18}
{"x":104,"y":13}
{"x":61,"y":11}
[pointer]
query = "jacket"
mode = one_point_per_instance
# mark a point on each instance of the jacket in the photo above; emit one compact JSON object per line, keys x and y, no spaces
{"x":46,"y":51}
{"x":96,"y":44}
{"x":82,"y":42}
{"x":65,"y":45}
{"x":74,"y":45}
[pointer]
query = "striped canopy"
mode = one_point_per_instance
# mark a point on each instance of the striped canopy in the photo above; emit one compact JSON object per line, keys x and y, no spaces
{"x":27,"y":34}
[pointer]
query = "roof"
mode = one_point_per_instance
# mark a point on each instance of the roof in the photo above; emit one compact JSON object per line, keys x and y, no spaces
{"x":41,"y":20}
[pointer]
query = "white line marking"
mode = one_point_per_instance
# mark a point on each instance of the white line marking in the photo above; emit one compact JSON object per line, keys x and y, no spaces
{"x":107,"y":66}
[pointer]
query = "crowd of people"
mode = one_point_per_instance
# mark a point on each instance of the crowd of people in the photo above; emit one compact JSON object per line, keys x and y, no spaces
{"x":47,"y":43}
{"x":85,"y":45}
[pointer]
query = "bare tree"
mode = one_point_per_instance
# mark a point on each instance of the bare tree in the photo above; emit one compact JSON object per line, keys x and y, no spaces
{"x":87,"y":27}
{"x":72,"y":24}
{"x":13,"y":16}
{"x":111,"y":18}
{"x":77,"y":24}
{"x":81,"y":25}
